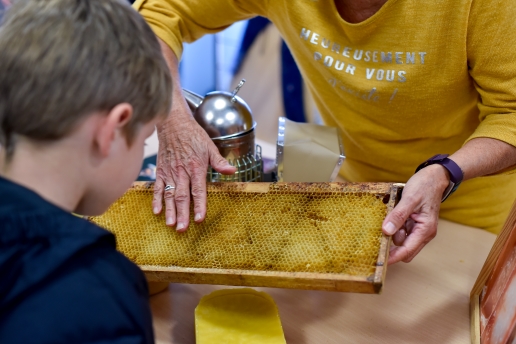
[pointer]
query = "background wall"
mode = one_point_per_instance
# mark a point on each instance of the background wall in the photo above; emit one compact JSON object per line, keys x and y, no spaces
{"x":208,"y":63}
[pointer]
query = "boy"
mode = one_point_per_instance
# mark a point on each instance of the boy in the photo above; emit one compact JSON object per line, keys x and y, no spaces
{"x":82,"y":85}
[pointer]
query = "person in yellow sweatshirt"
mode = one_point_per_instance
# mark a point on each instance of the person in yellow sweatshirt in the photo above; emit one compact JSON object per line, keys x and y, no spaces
{"x":404,"y":80}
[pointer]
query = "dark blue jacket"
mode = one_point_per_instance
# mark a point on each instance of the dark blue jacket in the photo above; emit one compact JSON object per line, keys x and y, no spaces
{"x":62,"y":280}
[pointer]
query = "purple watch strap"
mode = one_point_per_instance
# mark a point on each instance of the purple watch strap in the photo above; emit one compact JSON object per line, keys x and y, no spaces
{"x":456,"y":174}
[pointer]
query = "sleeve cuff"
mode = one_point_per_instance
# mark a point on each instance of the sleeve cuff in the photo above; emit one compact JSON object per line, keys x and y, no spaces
{"x":160,"y":30}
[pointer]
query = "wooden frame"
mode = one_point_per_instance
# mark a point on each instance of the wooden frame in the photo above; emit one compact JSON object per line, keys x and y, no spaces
{"x":493,"y":279}
{"x":294,"y":280}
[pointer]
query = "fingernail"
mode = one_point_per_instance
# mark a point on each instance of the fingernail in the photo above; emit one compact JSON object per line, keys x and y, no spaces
{"x":170,"y":221}
{"x":390,"y":228}
{"x":156,"y":210}
{"x":197,"y":217}
{"x":180,"y":226}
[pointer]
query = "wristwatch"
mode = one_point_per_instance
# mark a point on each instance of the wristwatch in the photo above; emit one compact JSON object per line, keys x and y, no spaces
{"x":456,"y":174}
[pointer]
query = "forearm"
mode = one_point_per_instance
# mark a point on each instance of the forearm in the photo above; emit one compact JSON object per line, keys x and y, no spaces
{"x":177,"y":95}
{"x":484,"y":156}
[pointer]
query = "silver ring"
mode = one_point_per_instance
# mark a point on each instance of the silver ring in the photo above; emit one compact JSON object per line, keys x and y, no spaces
{"x":169,"y":187}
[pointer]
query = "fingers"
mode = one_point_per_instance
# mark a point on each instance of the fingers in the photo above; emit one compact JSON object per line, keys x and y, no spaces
{"x":399,"y":237}
{"x":186,"y":150}
{"x":182,"y":200}
{"x":410,"y":248}
{"x":170,"y":207}
{"x":417,"y":214}
{"x":398,"y":216}
{"x":218,"y":163}
{"x":420,"y":235}
{"x":157,"y":201}
{"x":409,"y":225}
{"x":199,"y":194}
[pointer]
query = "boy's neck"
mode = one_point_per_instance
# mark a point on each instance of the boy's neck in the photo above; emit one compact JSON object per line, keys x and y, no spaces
{"x":51,"y":170}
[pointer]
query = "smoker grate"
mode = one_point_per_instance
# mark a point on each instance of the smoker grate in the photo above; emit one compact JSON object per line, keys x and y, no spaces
{"x":249,"y":169}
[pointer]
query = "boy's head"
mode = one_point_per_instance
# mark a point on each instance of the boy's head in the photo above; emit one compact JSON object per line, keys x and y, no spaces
{"x":89,"y":70}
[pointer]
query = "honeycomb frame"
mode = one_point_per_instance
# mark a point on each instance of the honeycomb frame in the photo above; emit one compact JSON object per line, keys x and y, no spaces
{"x":319,"y":236}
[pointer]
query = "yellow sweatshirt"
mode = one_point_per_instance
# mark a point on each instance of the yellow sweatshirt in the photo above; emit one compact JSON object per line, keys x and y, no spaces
{"x":416,"y":79}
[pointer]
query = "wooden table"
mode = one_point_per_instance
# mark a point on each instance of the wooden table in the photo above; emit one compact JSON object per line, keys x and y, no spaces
{"x":425,"y":301}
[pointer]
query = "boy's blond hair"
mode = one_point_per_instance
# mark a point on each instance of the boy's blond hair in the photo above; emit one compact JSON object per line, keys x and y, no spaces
{"x":61,"y":60}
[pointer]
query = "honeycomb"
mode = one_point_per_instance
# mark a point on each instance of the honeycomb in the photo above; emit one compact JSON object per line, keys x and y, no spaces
{"x":289,"y":227}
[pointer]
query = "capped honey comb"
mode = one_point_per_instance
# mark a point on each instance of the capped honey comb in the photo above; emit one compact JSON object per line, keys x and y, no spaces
{"x":328,"y":228}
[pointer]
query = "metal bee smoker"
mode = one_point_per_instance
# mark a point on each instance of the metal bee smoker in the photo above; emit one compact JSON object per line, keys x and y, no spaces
{"x":229,"y":122}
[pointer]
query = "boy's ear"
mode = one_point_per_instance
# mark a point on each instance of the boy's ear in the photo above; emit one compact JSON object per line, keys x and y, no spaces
{"x":115,"y":120}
